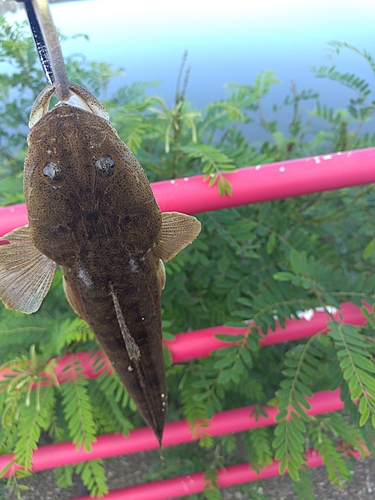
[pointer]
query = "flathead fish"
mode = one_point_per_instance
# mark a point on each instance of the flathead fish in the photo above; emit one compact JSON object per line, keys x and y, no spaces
{"x":91,"y":211}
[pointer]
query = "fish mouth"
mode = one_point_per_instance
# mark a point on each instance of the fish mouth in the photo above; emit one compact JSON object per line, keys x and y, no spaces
{"x":77,"y":102}
{"x":79,"y":98}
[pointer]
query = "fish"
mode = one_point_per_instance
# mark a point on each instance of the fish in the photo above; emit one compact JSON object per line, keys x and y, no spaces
{"x":91,"y":211}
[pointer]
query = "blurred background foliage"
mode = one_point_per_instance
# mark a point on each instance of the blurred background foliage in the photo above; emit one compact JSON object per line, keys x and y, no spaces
{"x":259,"y":261}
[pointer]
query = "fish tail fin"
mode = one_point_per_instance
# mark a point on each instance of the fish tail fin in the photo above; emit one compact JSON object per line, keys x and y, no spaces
{"x":146,"y":404}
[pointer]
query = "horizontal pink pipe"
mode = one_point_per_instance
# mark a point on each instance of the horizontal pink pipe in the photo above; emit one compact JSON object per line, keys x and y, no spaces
{"x":226,"y":422}
{"x":270,"y":182}
{"x":12,"y":217}
{"x":200,"y":343}
{"x":194,"y":483}
{"x":249,"y":185}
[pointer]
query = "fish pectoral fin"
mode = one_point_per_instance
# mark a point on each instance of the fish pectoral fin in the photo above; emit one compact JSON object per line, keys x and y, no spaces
{"x":25,"y":273}
{"x":177,"y":231}
{"x":130,"y":344}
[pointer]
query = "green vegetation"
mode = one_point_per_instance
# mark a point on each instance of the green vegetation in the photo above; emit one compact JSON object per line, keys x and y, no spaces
{"x":259,"y":261}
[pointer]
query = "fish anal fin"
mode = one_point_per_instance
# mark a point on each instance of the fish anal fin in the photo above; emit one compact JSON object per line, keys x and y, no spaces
{"x":177,"y":231}
{"x":25,"y":273}
{"x":130,"y":344}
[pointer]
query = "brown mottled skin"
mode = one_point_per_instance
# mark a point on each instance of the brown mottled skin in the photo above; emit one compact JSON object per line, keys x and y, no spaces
{"x":100,"y":227}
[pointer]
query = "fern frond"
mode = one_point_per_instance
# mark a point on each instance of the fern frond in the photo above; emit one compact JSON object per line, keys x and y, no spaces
{"x":214,"y":162}
{"x":70,"y":331}
{"x":258,"y":448}
{"x":301,"y":363}
{"x":354,"y":354}
{"x":218,"y":113}
{"x":78,"y":412}
{"x":252,"y":491}
{"x":303,"y":487}
{"x":211,"y":488}
{"x":333,"y":458}
{"x":64,"y":475}
{"x":11,"y":409}
{"x":331,"y":116}
{"x":8,"y":436}
{"x":228,"y":442}
{"x":263,"y":83}
{"x":114,"y":388}
{"x":350,"y":80}
{"x":336,"y":424}
{"x":338,"y":45}
{"x":19,"y":331}
{"x":35,"y":415}
{"x":329,"y":285}
{"x":107,"y":411}
{"x":195,"y":412}
{"x":270,"y":303}
{"x":232,"y":361}
{"x":93,"y":477}
{"x":15,"y":487}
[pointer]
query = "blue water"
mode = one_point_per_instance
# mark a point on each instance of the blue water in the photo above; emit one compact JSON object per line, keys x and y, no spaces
{"x":227,"y":42}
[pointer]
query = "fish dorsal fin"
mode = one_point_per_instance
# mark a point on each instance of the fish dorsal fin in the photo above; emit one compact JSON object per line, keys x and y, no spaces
{"x":177,"y":231}
{"x":25,"y":273}
{"x":130,"y":344}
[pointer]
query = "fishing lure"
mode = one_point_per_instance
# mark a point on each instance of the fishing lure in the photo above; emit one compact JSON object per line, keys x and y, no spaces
{"x":91,"y":210}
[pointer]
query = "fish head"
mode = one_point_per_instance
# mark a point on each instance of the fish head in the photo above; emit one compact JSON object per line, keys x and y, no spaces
{"x":47,"y":124}
{"x":81,"y":182}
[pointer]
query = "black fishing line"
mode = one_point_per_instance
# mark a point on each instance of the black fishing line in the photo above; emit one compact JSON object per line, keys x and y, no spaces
{"x":39,"y":41}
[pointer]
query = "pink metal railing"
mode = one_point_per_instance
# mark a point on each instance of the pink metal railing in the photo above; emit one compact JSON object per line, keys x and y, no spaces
{"x":194,"y":483}
{"x":192,"y":195}
{"x":200,"y":343}
{"x":142,"y":439}
{"x":249,"y":185}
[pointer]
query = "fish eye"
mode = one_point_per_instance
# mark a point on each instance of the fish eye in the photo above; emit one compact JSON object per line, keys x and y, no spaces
{"x":52,"y":171}
{"x":106,"y":164}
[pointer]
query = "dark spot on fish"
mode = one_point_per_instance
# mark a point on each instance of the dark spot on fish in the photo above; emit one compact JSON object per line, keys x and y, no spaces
{"x":106,"y":164}
{"x":52,"y":171}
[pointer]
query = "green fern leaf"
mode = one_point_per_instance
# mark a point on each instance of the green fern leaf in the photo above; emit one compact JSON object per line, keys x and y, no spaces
{"x":303,"y":486}
{"x":64,"y":476}
{"x":114,"y":388}
{"x":258,"y":448}
{"x":93,"y":477}
{"x":211,"y":489}
{"x":354,"y":354}
{"x":34,"y":416}
{"x":334,"y":459}
{"x":70,"y":331}
{"x":289,"y":441}
{"x":78,"y":412}
{"x":195,"y":412}
{"x":107,"y":411}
